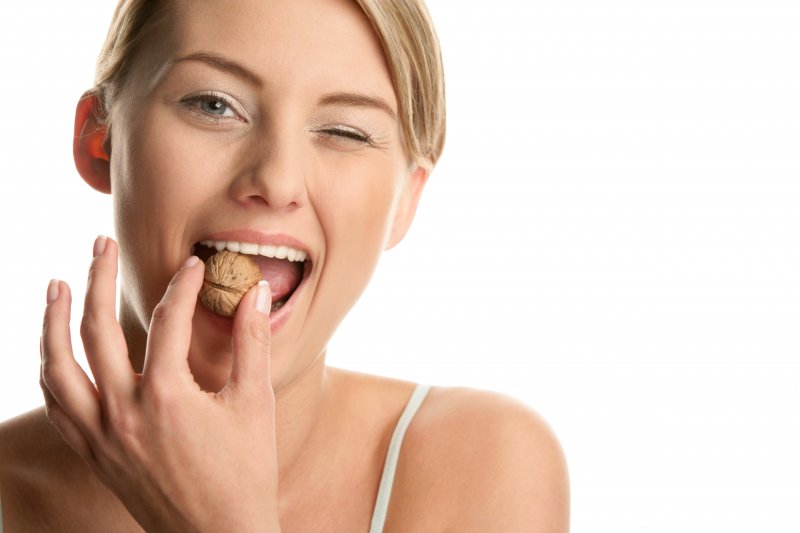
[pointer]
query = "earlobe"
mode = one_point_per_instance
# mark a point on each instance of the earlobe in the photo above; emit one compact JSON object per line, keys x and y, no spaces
{"x":89,"y":147}
{"x":407,"y":206}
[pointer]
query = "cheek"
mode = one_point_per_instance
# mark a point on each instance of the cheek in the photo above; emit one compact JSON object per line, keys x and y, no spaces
{"x":355,"y":205}
{"x":354,"y":212}
{"x":173,"y":168}
{"x":352,"y":203}
{"x":161,"y":178}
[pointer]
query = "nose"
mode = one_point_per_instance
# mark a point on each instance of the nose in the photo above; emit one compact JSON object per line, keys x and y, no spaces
{"x":274,"y":174}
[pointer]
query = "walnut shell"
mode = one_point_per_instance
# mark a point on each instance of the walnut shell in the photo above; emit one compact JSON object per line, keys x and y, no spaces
{"x":228,"y":276}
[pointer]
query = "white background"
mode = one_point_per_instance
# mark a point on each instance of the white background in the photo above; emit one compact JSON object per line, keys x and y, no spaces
{"x":612,"y":236}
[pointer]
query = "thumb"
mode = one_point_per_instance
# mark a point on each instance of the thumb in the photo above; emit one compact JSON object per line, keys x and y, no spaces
{"x":251,"y":341}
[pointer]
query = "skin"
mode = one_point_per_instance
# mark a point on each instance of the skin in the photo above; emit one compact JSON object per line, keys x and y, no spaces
{"x":302,"y":443}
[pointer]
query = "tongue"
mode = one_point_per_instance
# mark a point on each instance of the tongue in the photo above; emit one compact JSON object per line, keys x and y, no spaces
{"x":283,"y":276}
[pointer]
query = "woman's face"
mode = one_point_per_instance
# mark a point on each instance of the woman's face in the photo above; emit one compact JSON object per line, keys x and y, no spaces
{"x":281,"y":126}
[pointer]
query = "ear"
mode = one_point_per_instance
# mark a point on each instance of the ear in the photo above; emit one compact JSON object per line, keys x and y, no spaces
{"x":407,"y":204}
{"x":91,"y":144}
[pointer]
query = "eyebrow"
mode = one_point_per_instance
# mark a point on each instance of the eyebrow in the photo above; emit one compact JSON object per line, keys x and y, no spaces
{"x":223,"y":64}
{"x":357,"y":100}
{"x":338,"y":98}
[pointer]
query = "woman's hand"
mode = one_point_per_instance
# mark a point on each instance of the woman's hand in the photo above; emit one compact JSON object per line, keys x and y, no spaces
{"x":179,"y":458}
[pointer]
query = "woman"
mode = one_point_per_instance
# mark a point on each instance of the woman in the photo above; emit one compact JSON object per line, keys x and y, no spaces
{"x":285,"y":123}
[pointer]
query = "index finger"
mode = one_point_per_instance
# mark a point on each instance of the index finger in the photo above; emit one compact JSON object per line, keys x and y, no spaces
{"x":170,"y":333}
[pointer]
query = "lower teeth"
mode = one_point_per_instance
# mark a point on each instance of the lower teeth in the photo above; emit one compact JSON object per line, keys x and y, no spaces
{"x":277,"y":305}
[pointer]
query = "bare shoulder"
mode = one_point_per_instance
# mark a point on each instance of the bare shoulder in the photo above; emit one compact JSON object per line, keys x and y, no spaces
{"x":23,"y":445}
{"x":39,"y":473}
{"x":489,"y":461}
{"x":24,"y":439}
{"x":26,"y":448}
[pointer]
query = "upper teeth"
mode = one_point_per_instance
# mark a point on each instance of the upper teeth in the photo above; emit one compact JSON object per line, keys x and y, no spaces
{"x":267,"y":250}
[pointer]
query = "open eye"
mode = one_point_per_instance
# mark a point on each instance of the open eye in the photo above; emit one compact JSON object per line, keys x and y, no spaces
{"x":210,"y":106}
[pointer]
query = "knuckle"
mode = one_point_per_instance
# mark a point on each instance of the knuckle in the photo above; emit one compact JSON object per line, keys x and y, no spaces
{"x":259,"y":334}
{"x":90,"y":325}
{"x":159,"y":394}
{"x":51,"y":376}
{"x":161,"y":312}
{"x":122,"y":423}
{"x":94,"y":271}
{"x":174,"y":280}
{"x":93,"y":279}
{"x":50,"y":411}
{"x":163,"y":402}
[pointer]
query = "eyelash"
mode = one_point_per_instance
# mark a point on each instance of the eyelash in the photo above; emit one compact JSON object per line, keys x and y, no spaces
{"x":345,"y":133}
{"x":350,"y":134}
{"x":208,"y":97}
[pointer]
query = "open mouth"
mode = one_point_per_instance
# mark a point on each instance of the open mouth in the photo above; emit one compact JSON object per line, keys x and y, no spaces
{"x":283,"y":267}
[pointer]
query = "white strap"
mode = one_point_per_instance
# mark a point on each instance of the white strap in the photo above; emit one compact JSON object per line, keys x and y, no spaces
{"x":389,"y":467}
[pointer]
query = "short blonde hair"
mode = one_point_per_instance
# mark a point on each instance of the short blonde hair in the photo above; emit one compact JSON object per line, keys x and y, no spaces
{"x":404,"y":28}
{"x":133,"y":21}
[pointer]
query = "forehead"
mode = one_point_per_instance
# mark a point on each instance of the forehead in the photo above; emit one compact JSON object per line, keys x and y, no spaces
{"x":293,"y":46}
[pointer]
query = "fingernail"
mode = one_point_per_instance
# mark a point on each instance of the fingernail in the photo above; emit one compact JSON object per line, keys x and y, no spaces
{"x":99,"y":245}
{"x":52,"y":291}
{"x":191,"y":261}
{"x":262,"y":298}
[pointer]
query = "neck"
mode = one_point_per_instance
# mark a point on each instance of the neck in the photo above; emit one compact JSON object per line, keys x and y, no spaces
{"x":299,"y":398}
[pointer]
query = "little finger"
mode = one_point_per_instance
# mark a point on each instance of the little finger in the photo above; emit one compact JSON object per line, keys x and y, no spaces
{"x":60,"y":373}
{"x":68,"y":429}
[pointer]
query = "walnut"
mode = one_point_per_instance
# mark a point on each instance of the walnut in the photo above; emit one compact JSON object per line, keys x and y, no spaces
{"x":228,"y":276}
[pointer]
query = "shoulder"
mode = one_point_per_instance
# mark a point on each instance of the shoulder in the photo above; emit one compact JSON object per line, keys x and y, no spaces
{"x":35,"y":465}
{"x":21,"y":440}
{"x":25,"y":451}
{"x":497,"y":461}
{"x":19,"y":472}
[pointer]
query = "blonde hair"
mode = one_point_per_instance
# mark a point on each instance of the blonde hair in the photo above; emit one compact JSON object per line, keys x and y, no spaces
{"x":415,"y":61}
{"x":404,"y":28}
{"x":133,"y":21}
